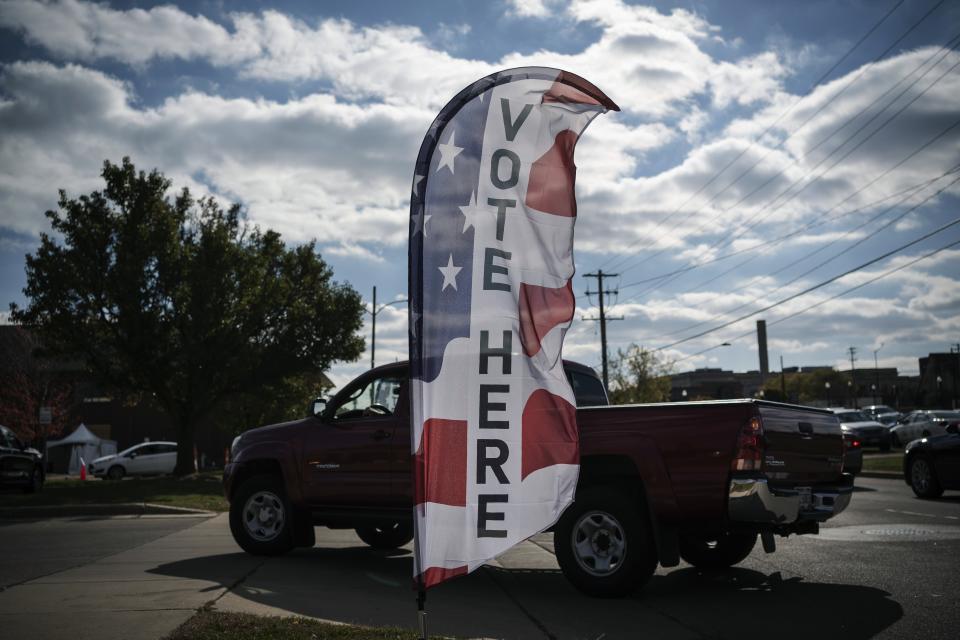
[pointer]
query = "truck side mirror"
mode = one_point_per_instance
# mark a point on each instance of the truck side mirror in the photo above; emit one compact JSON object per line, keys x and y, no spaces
{"x":316,"y":407}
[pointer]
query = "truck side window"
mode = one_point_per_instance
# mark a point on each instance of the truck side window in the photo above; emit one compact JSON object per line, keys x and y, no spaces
{"x":588,"y":390}
{"x":377,"y":398}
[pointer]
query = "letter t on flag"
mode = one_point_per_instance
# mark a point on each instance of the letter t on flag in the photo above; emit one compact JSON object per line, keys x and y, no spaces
{"x":494,"y":433}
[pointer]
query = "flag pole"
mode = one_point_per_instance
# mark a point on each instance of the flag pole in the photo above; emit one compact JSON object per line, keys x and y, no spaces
{"x":421,"y":610}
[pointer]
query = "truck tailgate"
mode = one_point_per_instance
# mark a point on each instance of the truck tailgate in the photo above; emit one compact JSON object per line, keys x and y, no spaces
{"x":802,"y":446}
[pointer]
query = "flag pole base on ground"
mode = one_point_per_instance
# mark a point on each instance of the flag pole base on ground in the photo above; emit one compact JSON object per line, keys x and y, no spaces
{"x":421,"y":613}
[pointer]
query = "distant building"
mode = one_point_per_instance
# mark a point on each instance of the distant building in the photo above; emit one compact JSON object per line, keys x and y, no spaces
{"x":939,"y":379}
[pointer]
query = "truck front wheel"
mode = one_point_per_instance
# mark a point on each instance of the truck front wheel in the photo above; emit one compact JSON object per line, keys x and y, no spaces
{"x":261,"y":518}
{"x":716,"y":552}
{"x":386,"y":537}
{"x":603,"y":544}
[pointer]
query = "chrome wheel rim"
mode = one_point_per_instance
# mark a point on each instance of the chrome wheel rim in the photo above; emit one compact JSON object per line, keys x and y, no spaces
{"x":920,"y":475}
{"x":263,"y":516}
{"x":599,"y":543}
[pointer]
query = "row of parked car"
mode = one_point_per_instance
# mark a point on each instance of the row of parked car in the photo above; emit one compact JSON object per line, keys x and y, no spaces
{"x":882,"y":427}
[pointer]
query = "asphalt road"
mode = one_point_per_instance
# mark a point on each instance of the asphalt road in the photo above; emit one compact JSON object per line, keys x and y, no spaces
{"x":889,"y":567}
{"x":31,"y":549}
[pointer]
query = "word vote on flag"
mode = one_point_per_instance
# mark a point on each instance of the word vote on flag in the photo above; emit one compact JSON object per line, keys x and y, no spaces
{"x":494,"y":434}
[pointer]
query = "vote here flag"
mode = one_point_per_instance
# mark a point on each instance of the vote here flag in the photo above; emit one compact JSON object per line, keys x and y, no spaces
{"x":494,"y":434}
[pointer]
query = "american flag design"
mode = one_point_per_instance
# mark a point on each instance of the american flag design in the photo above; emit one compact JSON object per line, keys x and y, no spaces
{"x":493,"y":208}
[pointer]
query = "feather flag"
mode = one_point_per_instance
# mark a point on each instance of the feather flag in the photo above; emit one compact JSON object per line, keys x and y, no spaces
{"x":494,"y":434}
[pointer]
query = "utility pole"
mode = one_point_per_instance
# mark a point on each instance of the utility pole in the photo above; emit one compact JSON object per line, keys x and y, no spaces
{"x":783,"y":381}
{"x":603,"y":319}
{"x":373,"y":330}
{"x":853,"y":375}
{"x":955,"y":349}
{"x":876,"y":374}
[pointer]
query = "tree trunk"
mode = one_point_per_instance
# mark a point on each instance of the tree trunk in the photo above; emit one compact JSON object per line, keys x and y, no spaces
{"x":185,"y":463}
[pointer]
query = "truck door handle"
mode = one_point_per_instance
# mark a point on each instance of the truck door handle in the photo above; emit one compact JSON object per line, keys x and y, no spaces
{"x":806,"y":427}
{"x":380,"y":434}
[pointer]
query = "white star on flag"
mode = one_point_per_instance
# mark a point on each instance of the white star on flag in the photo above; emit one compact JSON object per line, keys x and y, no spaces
{"x":470,"y":212}
{"x":450,"y":274}
{"x":417,"y":221}
{"x":416,"y":183}
{"x":448,"y":151}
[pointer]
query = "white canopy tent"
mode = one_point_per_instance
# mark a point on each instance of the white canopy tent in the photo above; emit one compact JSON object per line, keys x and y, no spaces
{"x":65,"y":454}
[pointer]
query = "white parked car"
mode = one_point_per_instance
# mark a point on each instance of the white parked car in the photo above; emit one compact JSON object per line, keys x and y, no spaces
{"x":923,"y":424}
{"x":146,"y":459}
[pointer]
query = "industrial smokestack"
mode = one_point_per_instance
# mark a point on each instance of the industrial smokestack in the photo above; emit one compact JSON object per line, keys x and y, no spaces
{"x":762,"y":347}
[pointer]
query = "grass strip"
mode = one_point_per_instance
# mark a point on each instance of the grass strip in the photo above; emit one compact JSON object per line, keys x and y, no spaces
{"x":219,"y":625}
{"x":198,"y":491}
{"x":883,"y":464}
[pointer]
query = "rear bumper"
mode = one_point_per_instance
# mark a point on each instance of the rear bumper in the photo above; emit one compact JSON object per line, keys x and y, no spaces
{"x":753,"y":500}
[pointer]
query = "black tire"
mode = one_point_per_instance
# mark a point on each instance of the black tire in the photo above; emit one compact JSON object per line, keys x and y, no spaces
{"x":923,"y":479}
{"x":604,"y":544}
{"x":716,"y":552}
{"x":116,"y":472}
{"x":261,"y":519}
{"x":36,"y":481}
{"x":895,"y":440}
{"x":885,"y":447}
{"x":388,"y":537}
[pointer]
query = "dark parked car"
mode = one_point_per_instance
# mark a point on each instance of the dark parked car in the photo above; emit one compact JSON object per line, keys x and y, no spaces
{"x":933,"y":464}
{"x":20,"y":466}
{"x":870,"y":432}
{"x":852,"y":454}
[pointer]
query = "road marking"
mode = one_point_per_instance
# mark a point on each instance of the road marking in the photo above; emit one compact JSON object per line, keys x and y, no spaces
{"x":925,"y":515}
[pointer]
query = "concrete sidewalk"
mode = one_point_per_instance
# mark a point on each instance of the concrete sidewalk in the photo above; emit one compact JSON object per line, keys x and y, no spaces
{"x":146,"y":592}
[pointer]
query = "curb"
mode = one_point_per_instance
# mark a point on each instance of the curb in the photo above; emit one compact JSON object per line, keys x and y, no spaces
{"x":896,"y":475}
{"x":102,"y":510}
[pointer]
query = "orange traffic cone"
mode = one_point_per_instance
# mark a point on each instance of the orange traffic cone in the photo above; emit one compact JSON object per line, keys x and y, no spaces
{"x":83,"y":470}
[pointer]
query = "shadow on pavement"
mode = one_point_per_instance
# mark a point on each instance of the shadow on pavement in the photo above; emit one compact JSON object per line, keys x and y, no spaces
{"x":364,"y":586}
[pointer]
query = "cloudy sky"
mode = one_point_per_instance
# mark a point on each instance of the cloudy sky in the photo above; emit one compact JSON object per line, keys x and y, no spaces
{"x":763,"y":148}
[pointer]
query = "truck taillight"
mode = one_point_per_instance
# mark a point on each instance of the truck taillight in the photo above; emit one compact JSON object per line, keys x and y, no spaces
{"x":749,"y":454}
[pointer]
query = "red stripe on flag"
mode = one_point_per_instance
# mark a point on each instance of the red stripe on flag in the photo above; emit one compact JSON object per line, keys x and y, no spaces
{"x":441,"y":463}
{"x":435,"y":575}
{"x":542,"y":309}
{"x":550,"y":187}
{"x":549,"y":432}
{"x":571,"y":88}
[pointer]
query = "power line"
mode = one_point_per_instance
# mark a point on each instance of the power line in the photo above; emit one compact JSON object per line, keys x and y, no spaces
{"x":814,"y":287}
{"x":904,"y":160}
{"x":819,"y":220}
{"x":830,"y":299}
{"x":620,"y":261}
{"x":784,"y":114}
{"x":745,"y":226}
{"x":822,"y":263}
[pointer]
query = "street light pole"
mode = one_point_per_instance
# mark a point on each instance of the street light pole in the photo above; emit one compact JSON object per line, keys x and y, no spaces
{"x":826,"y":385}
{"x":374,"y":310}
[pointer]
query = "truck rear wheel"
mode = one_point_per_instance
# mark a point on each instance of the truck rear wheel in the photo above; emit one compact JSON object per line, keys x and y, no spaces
{"x":717,"y":552}
{"x":261,"y":519}
{"x":386,"y":537}
{"x":604,"y":545}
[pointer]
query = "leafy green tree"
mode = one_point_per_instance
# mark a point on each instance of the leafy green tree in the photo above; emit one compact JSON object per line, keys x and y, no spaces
{"x":808,"y":387}
{"x":181,"y":302}
{"x":639,"y":375}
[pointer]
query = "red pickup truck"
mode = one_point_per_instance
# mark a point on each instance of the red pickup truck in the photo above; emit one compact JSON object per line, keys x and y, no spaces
{"x":659,"y":482}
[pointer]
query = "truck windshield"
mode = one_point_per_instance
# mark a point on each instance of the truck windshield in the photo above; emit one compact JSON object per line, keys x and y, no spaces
{"x":382,"y":392}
